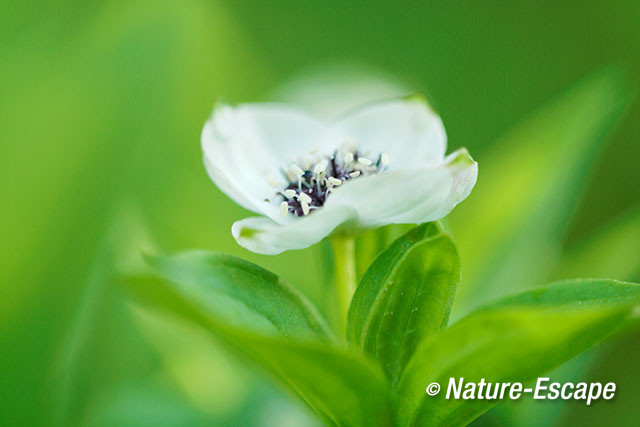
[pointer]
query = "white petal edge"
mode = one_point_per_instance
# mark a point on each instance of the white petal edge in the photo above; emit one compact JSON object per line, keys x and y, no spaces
{"x":264,"y":236}
{"x":409,"y":197}
{"x":245,"y":146}
{"x":407,"y":129}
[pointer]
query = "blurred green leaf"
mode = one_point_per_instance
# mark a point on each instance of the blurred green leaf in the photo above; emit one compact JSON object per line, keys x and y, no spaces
{"x":598,"y":293}
{"x":513,"y":340}
{"x":243,"y":294}
{"x":90,"y":92}
{"x":72,"y":367}
{"x":405,"y":296}
{"x":616,"y":362}
{"x":611,"y":252}
{"x":528,"y":187}
{"x":342,"y":387}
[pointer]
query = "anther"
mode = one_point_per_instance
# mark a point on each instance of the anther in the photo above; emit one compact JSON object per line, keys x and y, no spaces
{"x":354,"y":174}
{"x":304,"y":198}
{"x":284,"y":209}
{"x":296,"y":170}
{"x":364,"y":161}
{"x":334,"y":181}
{"x":321,"y":167}
{"x":384,"y":159}
{"x":305,"y":207}
{"x":289,"y":194}
{"x":348,"y":157}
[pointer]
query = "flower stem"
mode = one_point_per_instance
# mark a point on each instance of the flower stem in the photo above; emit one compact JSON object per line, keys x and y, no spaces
{"x":344,"y":264}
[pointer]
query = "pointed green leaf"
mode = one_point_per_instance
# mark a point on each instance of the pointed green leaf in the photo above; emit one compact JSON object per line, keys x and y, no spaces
{"x":404,"y":297}
{"x":576,"y":293}
{"x":342,"y":387}
{"x":516,"y":339}
{"x":243,"y":294}
{"x":377,"y":273}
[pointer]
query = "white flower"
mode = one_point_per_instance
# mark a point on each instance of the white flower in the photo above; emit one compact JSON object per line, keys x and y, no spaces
{"x":382,"y":164}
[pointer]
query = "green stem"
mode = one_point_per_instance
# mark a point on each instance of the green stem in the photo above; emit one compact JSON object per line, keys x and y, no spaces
{"x":344,"y":264}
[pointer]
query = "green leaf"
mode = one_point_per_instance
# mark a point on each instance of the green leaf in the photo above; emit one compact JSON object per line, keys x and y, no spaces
{"x":342,"y":387}
{"x":513,"y":340}
{"x":531,"y":182}
{"x":373,"y":280}
{"x":611,"y":252}
{"x":404,"y":297}
{"x":242,"y":294}
{"x":373,"y":242}
{"x":581,"y":293}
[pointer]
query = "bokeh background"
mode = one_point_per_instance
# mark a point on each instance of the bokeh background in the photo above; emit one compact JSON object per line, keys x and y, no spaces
{"x":101,"y":107}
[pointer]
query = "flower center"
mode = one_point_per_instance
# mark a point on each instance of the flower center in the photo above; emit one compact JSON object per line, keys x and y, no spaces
{"x":309,"y":186}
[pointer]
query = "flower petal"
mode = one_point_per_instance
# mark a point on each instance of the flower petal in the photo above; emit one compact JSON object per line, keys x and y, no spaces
{"x":412,"y":196}
{"x":407,"y":129}
{"x":264,"y":236}
{"x":244,"y":148}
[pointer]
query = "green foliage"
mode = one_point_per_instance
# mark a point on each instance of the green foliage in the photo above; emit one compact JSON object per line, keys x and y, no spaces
{"x":380,"y":378}
{"x":371,"y":244}
{"x":101,"y":109}
{"x":342,"y":387}
{"x":610,"y":252}
{"x":513,"y":340}
{"x":541,"y":169}
{"x":529,"y":187}
{"x":405,"y":297}
{"x":376,"y":275}
{"x":243,"y":294}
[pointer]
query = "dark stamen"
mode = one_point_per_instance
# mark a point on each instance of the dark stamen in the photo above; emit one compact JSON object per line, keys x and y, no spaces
{"x":317,"y":186}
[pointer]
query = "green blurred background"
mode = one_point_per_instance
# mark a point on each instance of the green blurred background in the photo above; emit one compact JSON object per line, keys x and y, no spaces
{"x":101,"y":107}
